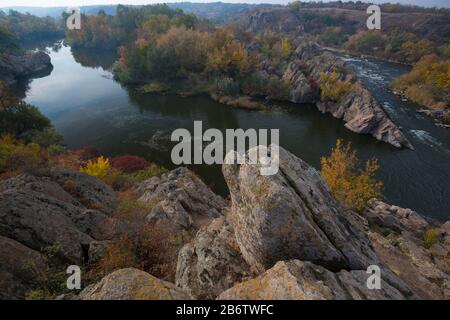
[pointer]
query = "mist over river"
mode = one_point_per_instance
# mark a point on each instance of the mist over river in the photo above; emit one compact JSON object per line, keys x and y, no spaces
{"x":89,"y":108}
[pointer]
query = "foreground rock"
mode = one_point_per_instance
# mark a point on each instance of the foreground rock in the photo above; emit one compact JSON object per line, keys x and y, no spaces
{"x":20,"y":267}
{"x":58,"y":208}
{"x":132,"y":284}
{"x":293,"y":215}
{"x":298,"y":280}
{"x":14,"y":67}
{"x":181,"y":199}
{"x":211,"y":263}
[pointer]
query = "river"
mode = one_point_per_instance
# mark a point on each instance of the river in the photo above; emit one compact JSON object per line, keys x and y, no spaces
{"x":89,"y":108}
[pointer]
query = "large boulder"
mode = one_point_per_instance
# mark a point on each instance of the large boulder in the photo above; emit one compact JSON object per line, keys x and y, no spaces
{"x":211,"y":263}
{"x":41,"y":210}
{"x":302,"y":280}
{"x":293,"y":215}
{"x":181,"y":199}
{"x":132,"y":284}
{"x":13,"y":67}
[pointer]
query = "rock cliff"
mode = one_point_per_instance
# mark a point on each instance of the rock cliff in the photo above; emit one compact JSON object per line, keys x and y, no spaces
{"x":15,"y":67}
{"x":360,"y":111}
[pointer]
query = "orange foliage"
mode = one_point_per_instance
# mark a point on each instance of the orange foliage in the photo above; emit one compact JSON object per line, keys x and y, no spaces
{"x":351,"y":185}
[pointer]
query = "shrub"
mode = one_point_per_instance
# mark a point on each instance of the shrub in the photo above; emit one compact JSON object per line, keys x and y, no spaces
{"x":56,"y":149}
{"x":47,"y":137}
{"x":16,"y":155}
{"x":129,"y":163}
{"x":430,"y":238}
{"x":50,"y":281}
{"x":88,"y":153}
{"x":152,"y":248}
{"x":226,"y":86}
{"x":98,"y":168}
{"x":351,"y":185}
{"x":151,"y":171}
{"x":331,"y":88}
{"x":446,"y":118}
{"x":21,"y":117}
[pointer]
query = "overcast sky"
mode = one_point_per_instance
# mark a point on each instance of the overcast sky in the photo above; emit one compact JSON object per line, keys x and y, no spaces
{"x":57,"y":3}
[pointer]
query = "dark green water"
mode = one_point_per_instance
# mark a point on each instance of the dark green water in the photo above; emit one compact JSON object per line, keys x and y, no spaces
{"x":90,"y":108}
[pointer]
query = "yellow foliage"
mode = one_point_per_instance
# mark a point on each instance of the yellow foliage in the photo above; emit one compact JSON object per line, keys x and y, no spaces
{"x":286,"y":48}
{"x":228,"y":55}
{"x":98,"y":168}
{"x":430,"y":238}
{"x":351,"y":185}
{"x":428,"y":83}
{"x":16,"y":155}
{"x":331,"y":88}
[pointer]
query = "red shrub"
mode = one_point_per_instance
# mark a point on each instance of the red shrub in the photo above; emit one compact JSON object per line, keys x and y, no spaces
{"x":313,"y":83}
{"x":129,"y":164}
{"x":88,"y":153}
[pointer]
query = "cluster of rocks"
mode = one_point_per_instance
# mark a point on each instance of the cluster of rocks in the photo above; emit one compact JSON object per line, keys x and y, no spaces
{"x":282,"y":237}
{"x":29,"y":64}
{"x":286,"y":237}
{"x":60,"y":209}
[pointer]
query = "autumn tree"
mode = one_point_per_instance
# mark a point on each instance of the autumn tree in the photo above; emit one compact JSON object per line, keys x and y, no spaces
{"x":352,"y":185}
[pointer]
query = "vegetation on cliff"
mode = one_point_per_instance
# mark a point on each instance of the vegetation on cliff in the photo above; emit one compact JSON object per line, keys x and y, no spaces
{"x":352,"y":185}
{"x":428,"y":83}
{"x":27,"y":27}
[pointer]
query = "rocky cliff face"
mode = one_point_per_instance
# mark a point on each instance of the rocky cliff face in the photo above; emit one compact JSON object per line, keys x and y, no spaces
{"x":14,"y":67}
{"x":361,"y":112}
{"x":38,"y":211}
{"x":300,"y":21}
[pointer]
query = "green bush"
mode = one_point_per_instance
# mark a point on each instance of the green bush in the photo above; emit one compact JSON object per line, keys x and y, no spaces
{"x":47,"y":137}
{"x":8,"y":42}
{"x":226,"y":86}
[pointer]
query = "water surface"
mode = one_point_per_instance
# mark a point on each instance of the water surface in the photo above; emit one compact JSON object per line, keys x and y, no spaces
{"x":89,"y":108}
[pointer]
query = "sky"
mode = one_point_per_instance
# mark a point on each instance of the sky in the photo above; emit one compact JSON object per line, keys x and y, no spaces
{"x":57,"y":3}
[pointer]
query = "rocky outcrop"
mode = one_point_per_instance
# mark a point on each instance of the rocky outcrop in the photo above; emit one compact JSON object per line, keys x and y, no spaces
{"x":398,"y":219}
{"x":300,"y":280}
{"x":132,"y":284}
{"x":396,"y":234}
{"x":14,"y":67}
{"x":181,"y":199}
{"x":361,"y":112}
{"x":58,"y":207}
{"x":293,"y":215}
{"x":212,"y":262}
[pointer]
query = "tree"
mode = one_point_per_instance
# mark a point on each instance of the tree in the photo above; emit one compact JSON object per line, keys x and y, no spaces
{"x":350,"y":184}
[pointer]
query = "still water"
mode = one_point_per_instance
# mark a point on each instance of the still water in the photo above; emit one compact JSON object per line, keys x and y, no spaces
{"x":89,"y":108}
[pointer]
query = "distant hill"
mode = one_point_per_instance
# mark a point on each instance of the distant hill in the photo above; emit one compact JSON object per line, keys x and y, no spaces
{"x":218,"y":12}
